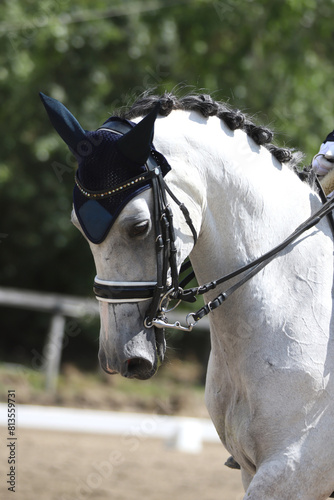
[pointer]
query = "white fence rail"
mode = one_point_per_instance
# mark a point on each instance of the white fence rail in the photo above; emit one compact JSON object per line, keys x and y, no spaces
{"x":60,"y":307}
{"x":65,"y":305}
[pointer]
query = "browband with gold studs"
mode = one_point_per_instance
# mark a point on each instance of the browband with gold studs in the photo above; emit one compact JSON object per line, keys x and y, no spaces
{"x":115,"y":190}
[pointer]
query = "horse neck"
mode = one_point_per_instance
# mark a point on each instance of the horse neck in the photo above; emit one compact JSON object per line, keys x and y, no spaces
{"x":242,"y":200}
{"x":250,"y":202}
{"x":245,"y":203}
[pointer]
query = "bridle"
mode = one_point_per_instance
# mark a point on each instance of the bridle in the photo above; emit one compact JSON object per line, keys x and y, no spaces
{"x":167,"y":286}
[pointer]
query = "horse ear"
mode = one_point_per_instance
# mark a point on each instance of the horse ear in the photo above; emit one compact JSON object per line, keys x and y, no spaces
{"x":64,"y":122}
{"x":136,"y":144}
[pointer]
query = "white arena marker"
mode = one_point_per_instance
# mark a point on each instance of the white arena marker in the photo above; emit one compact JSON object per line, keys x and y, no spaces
{"x":188,"y":436}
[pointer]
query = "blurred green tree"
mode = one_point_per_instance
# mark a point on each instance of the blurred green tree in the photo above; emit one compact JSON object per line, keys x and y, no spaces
{"x":272,"y":60}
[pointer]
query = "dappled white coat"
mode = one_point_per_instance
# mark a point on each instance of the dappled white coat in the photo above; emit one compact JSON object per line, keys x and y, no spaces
{"x":269,"y":387}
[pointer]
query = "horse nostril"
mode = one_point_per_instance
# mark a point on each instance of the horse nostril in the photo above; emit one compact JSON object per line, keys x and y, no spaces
{"x":139,"y":368}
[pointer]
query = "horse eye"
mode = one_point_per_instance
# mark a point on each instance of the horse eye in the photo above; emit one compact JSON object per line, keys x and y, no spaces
{"x":140,"y":228}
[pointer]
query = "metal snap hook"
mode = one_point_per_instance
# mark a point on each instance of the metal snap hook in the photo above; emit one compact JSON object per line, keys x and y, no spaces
{"x":190,"y":323}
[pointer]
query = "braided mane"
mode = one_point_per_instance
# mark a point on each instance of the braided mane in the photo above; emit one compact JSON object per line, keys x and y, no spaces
{"x":234,"y":119}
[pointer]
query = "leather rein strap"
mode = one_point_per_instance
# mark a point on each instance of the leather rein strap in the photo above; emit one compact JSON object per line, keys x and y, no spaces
{"x":253,"y":267}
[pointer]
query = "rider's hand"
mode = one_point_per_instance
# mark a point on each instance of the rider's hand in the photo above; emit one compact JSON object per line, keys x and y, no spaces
{"x":323,"y":162}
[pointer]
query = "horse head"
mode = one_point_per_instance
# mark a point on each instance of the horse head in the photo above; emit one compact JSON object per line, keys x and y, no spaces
{"x":117,"y":211}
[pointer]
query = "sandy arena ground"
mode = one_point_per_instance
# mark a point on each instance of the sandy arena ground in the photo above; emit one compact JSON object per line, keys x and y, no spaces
{"x":65,"y":466}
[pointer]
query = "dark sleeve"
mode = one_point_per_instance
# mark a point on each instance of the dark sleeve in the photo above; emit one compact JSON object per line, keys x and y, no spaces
{"x":330,"y":137}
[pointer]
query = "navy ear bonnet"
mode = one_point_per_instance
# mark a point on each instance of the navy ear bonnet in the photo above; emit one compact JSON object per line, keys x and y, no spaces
{"x":113,"y":165}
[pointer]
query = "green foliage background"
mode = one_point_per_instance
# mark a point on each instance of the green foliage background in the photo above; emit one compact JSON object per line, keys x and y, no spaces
{"x":272,"y":59}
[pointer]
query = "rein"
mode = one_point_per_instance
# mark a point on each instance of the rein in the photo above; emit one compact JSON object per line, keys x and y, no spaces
{"x":168,"y":288}
{"x":253,"y":267}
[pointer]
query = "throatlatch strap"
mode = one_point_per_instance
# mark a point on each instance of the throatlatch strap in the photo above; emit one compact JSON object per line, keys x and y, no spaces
{"x":184,"y":210}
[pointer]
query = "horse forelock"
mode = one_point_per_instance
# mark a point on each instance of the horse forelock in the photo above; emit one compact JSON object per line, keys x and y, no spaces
{"x":234,"y":119}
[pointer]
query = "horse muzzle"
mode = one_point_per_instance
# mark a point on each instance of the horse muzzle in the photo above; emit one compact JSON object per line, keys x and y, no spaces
{"x":137,"y":367}
{"x":126,"y":346}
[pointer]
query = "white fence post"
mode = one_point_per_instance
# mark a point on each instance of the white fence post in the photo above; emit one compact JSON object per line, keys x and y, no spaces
{"x":53,"y":350}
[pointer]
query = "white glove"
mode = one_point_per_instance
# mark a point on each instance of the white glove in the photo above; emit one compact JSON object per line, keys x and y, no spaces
{"x":323,"y":162}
